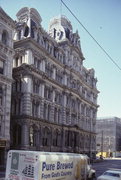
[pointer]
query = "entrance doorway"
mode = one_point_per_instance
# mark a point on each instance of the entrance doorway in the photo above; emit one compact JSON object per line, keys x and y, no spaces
{"x":2,"y":156}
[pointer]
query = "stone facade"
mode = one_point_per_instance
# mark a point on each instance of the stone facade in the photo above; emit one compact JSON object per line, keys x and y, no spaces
{"x":7,"y":27}
{"x":54,"y":97}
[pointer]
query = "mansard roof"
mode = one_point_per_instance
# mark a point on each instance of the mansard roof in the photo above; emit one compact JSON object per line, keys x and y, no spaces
{"x":62,"y":20}
{"x":6,"y":18}
{"x":29,"y":12}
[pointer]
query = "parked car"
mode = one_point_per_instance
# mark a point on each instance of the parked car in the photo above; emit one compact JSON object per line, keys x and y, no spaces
{"x":110,"y":175}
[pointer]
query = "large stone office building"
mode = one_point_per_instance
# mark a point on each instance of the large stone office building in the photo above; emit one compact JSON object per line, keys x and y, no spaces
{"x":54,"y":97}
{"x":7,"y":27}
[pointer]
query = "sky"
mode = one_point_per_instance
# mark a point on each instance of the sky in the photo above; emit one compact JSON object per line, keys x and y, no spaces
{"x":102,"y":20}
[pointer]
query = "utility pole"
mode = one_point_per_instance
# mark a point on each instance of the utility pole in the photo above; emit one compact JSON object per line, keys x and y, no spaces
{"x":102,"y":142}
{"x":109,"y":146}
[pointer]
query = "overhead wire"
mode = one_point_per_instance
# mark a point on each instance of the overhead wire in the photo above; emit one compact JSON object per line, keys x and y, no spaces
{"x":60,"y":7}
{"x":114,"y":62}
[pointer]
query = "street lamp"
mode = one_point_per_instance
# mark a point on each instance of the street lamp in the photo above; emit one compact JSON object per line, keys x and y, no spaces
{"x":109,"y":144}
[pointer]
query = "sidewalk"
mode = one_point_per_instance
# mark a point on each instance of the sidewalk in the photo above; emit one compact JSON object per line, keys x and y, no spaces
{"x":2,"y":175}
{"x":117,"y":158}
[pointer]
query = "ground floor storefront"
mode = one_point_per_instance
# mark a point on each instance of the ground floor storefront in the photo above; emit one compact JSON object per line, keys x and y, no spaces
{"x":4,"y":147}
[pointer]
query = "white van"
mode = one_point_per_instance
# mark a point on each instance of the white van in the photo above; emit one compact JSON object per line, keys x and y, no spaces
{"x":36,"y":165}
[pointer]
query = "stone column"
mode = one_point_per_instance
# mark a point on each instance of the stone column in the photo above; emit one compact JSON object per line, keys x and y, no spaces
{"x":35,"y":34}
{"x":70,"y":117}
{"x":42,"y":88}
{"x":77,"y":111}
{"x":6,"y":103}
{"x":52,"y":113}
{"x":25,"y":136}
{"x":84,"y":147}
{"x":70,"y":139}
{"x":22,"y":33}
{"x":85,"y":107}
{"x":29,"y":57}
{"x":54,"y":72}
{"x":0,"y":34}
{"x":80,"y":106}
{"x":40,"y":137}
{"x":64,"y":108}
{"x":80,"y":116}
{"x":26,"y":99}
{"x":39,"y":112}
{"x":45,"y":111}
{"x":53,"y":95}
{"x":37,"y":138}
{"x":19,"y":61}
{"x":51,"y":141}
{"x":14,"y":62}
{"x":15,"y":35}
{"x":42,"y":65}
{"x":77,"y":141}
{"x":41,"y":108}
{"x":57,"y":116}
{"x":50,"y":137}
{"x":60,"y":116}
{"x":65,"y":79}
{"x":63,"y":140}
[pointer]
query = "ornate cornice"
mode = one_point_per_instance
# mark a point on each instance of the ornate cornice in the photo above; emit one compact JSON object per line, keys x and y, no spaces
{"x":6,"y":19}
{"x":5,"y":79}
{"x":29,"y":120}
{"x":6,"y":51}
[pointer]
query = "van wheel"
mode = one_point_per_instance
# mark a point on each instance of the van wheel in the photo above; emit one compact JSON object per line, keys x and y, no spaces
{"x":93,"y":177}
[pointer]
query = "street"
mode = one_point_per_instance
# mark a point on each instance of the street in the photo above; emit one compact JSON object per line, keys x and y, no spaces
{"x":101,"y":167}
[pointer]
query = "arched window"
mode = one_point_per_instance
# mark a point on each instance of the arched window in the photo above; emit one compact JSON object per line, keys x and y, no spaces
{"x":1,"y":95}
{"x":16,"y":135}
{"x":5,"y":37}
{"x":46,"y":136}
{"x":26,"y":32}
{"x":59,"y":116}
{"x":56,"y":138}
{"x":49,"y":112}
{"x":1,"y":67}
{"x":45,"y":111}
{"x":55,"y":114}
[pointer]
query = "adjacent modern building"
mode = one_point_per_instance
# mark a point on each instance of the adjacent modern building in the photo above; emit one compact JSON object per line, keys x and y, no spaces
{"x":7,"y":27}
{"x":54,"y":97}
{"x":108,"y":136}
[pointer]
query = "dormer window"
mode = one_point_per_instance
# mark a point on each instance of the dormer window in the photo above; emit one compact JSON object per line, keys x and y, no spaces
{"x":33,"y":28}
{"x":67,"y":33}
{"x":5,"y":37}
